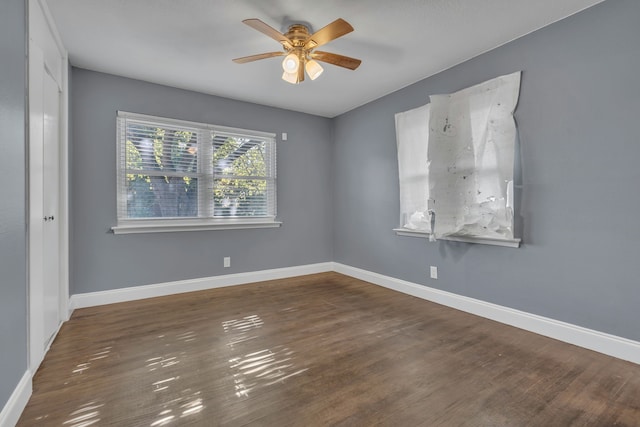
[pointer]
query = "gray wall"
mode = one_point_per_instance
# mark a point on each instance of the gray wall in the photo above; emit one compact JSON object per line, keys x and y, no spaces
{"x":102,"y":260}
{"x":580,"y":151}
{"x":13,"y":263}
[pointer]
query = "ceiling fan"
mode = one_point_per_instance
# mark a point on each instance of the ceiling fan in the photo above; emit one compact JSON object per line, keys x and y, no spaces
{"x":299,"y":49}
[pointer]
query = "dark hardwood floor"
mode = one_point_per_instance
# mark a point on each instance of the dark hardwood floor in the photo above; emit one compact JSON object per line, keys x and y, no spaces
{"x":323,"y":349}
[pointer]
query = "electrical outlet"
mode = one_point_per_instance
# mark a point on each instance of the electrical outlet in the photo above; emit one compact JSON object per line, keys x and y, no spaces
{"x":434,"y":272}
{"x":227,"y":261}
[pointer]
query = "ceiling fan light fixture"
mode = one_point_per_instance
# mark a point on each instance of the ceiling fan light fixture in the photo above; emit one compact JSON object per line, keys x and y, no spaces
{"x":313,"y":69}
{"x":291,"y":63}
{"x":290,"y":78}
{"x":300,"y":56}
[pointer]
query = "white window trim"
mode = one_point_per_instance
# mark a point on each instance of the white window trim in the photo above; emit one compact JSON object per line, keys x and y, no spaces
{"x":163,"y":225}
{"x":509,"y":243}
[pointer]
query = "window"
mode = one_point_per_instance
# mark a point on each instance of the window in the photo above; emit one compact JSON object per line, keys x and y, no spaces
{"x":456,"y":164}
{"x":175,"y":175}
{"x":412,"y":136}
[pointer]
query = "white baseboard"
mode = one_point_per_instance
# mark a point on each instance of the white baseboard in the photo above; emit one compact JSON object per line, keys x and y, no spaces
{"x":169,"y":288}
{"x":611,"y":345}
{"x":17,"y":401}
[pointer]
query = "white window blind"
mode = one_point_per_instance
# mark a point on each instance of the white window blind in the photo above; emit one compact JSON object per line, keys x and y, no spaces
{"x":243,"y":176}
{"x":173,"y":172}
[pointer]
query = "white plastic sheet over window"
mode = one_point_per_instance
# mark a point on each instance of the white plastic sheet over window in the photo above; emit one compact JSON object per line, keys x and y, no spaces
{"x":466,"y":159}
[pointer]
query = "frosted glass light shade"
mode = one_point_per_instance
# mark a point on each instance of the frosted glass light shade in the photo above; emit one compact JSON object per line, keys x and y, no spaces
{"x":290,"y":77}
{"x":313,"y":69}
{"x":291,"y":63}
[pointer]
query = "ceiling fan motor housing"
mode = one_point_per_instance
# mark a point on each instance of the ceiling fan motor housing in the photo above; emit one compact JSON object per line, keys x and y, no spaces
{"x":298,"y":34}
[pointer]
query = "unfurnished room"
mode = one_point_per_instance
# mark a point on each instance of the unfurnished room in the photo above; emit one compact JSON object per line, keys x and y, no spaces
{"x":319,"y":213}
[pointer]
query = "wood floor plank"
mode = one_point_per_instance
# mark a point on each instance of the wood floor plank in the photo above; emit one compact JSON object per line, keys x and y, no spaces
{"x":323,"y":349}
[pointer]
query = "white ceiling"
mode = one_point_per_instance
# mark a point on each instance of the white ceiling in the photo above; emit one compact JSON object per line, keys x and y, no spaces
{"x":189,"y":44}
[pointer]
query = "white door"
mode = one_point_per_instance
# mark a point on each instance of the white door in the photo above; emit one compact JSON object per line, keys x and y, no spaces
{"x":47,"y":183}
{"x":51,"y":218}
{"x":44,"y":285}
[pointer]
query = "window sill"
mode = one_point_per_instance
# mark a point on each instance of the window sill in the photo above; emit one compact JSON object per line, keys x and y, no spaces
{"x":510,"y":243}
{"x":172,"y":226}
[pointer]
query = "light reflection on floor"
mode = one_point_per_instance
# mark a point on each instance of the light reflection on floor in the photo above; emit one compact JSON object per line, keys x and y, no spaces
{"x":249,"y":371}
{"x":192,"y":407}
{"x":239,"y":330}
{"x":163,"y":384}
{"x":182,"y":403}
{"x":187,"y":403}
{"x":164,"y":419}
{"x":161,"y":362}
{"x":258,"y":369}
{"x":103,"y":353}
{"x":86,"y":415}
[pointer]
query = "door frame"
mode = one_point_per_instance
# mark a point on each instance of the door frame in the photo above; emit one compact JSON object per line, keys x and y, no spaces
{"x":39,"y":30}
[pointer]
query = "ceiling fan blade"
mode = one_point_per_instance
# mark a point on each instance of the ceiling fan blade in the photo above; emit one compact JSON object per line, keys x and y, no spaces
{"x":252,"y":58}
{"x":257,"y":24}
{"x":337,"y":28}
{"x":335,"y":59}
